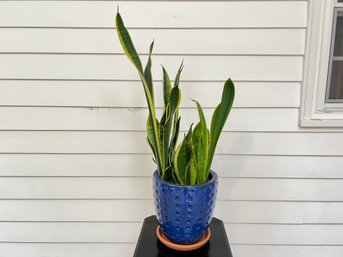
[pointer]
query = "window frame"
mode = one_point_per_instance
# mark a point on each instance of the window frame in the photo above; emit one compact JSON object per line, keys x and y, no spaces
{"x":315,"y":112}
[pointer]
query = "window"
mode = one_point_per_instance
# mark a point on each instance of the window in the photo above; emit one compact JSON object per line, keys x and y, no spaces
{"x":322,"y":94}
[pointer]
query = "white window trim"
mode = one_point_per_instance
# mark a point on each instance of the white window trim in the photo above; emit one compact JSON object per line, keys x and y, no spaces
{"x":314,"y":111}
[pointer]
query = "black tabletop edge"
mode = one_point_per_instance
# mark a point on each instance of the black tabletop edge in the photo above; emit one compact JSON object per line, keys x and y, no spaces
{"x":219,"y":224}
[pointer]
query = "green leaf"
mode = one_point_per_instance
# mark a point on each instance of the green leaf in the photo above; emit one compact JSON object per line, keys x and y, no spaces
{"x":192,"y":172}
{"x":182,"y":157}
{"x":175,"y":179}
{"x":169,"y":174}
{"x":175,"y":135}
{"x":167,"y":87}
{"x":175,"y":99}
{"x":151,"y":147}
{"x":178,"y":75}
{"x":201,"y":116}
{"x":148,"y":74}
{"x":127,"y":44}
{"x":165,"y":130}
{"x":165,"y":115}
{"x":131,"y":53}
{"x":215,"y":118}
{"x":220,"y":116}
{"x":202,"y":151}
{"x":199,"y":152}
{"x":168,"y":119}
{"x":151,"y":136}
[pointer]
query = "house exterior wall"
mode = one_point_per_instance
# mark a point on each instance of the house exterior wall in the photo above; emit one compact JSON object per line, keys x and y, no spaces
{"x":75,"y":170}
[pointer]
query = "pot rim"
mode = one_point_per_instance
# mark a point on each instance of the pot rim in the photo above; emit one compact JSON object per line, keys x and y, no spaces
{"x":213,"y":179}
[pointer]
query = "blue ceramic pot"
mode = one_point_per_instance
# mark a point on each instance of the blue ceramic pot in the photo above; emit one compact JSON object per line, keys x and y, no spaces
{"x":184,"y":212}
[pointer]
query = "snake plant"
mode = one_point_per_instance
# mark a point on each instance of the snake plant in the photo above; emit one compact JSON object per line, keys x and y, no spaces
{"x":190,"y":162}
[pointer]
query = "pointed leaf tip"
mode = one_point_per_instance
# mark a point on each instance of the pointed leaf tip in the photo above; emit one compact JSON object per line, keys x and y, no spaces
{"x":151,"y":46}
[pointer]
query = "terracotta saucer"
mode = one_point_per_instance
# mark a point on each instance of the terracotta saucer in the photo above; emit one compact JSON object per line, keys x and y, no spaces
{"x":180,"y":247}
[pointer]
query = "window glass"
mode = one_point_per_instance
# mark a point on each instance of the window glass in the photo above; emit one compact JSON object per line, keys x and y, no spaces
{"x":336,"y":88}
{"x":335,"y":74}
{"x":339,"y":35}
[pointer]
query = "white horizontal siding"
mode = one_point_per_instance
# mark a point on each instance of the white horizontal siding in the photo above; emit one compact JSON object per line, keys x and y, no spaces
{"x":133,"y":119}
{"x":72,"y":117}
{"x":67,"y":250}
{"x":154,"y":14}
{"x":32,"y":118}
{"x":102,"y":142}
{"x":108,"y":233}
{"x":284,"y":251}
{"x":140,"y":188}
{"x":223,"y":41}
{"x":249,"y":68}
{"x":130,"y":93}
{"x":113,"y":165}
{"x":233,"y":212}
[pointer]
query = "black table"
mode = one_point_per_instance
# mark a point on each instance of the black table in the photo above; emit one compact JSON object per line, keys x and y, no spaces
{"x":149,"y":246}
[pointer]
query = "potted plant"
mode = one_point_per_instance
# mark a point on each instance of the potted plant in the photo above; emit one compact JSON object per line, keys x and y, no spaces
{"x":184,"y":186}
